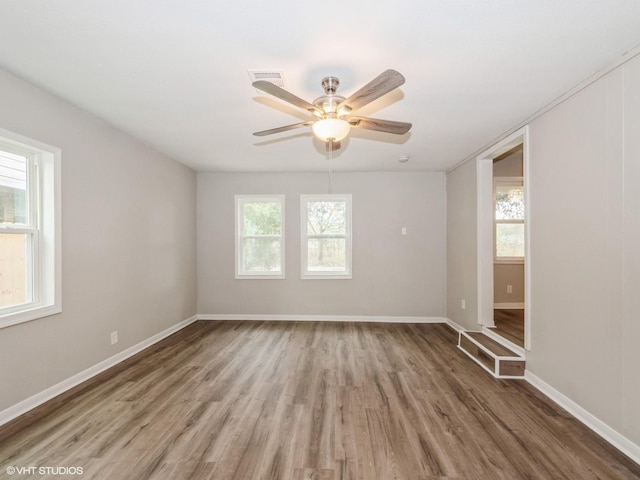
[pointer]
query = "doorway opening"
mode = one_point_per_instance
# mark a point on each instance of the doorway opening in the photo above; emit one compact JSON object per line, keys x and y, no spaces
{"x":503,"y":246}
{"x":508,"y":243}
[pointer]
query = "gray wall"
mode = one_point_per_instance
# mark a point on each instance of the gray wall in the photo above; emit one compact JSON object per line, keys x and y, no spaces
{"x":585,"y":217}
{"x":128,"y":244}
{"x":509,"y":165}
{"x":505,"y":274}
{"x":393,"y":275}
{"x":585,"y":262}
{"x":462,"y":283}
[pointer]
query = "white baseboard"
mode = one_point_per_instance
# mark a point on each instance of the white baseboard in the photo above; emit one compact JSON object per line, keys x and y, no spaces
{"x":322,"y":318}
{"x":457,"y":327}
{"x":509,"y":306}
{"x":623,"y":444}
{"x":52,"y":392}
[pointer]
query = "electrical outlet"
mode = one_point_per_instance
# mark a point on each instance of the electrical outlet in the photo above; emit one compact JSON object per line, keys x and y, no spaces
{"x":403,"y":230}
{"x":114,"y":337}
{"x":509,"y":289}
{"x":463,"y":304}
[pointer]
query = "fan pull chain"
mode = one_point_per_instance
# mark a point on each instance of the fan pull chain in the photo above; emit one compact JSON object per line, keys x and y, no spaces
{"x":330,"y":166}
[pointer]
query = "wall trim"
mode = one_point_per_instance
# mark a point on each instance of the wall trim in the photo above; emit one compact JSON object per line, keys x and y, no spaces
{"x":509,"y":306}
{"x":321,"y":318}
{"x":50,"y":393}
{"x":456,"y":326}
{"x":616,"y":439}
{"x":485,"y":226}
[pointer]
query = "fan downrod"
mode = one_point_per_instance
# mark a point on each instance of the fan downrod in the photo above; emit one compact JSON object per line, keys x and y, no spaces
{"x":330,"y":85}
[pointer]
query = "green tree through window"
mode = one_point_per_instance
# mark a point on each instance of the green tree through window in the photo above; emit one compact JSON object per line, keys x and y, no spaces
{"x":509,"y":219}
{"x":326,"y":236}
{"x":260,"y":227}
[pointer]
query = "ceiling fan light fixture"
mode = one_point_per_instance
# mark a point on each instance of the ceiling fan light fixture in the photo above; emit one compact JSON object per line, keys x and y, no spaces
{"x":333,"y":112}
{"x":331,"y":128}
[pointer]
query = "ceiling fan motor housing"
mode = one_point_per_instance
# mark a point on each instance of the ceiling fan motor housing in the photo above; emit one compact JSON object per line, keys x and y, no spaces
{"x":328,"y":103}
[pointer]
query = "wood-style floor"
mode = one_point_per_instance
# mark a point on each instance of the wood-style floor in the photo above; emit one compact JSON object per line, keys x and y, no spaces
{"x":510,"y":325}
{"x":302,"y":401}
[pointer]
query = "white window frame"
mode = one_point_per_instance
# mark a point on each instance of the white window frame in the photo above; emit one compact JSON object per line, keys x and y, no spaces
{"x":240,"y":201}
{"x":508,"y":182}
{"x":44,"y":227}
{"x":306,"y":274}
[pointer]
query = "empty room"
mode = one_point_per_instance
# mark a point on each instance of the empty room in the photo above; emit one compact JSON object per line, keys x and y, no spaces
{"x":304,"y":241}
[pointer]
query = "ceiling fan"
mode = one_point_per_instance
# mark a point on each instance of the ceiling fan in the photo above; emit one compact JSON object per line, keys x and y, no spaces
{"x":333,"y":114}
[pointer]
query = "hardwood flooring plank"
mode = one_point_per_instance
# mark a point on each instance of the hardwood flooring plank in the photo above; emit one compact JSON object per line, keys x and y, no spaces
{"x":509,"y":323}
{"x":309,"y":400}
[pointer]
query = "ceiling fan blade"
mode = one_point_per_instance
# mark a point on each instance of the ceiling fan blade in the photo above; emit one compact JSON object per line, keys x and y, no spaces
{"x":388,"y":126}
{"x":282,"y":129}
{"x":282,"y":94}
{"x":382,"y":84}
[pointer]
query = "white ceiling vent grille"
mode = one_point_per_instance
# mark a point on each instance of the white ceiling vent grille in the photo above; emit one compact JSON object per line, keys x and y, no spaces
{"x":274,"y":76}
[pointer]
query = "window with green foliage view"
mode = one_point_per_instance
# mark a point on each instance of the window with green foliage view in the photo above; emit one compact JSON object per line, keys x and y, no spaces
{"x":259,"y":236}
{"x":326,"y":236}
{"x":509,"y":219}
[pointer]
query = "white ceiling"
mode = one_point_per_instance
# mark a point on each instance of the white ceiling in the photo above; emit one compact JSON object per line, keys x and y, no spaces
{"x":174,"y":72}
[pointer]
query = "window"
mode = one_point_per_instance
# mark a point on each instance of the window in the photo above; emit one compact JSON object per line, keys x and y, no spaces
{"x":326,"y":236}
{"x":29,"y":229}
{"x":260,"y":236}
{"x":509,"y":219}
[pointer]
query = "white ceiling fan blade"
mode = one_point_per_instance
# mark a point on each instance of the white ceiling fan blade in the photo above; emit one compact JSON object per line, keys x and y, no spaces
{"x":282,"y":94}
{"x":388,"y":126}
{"x":282,"y":129}
{"x":384,"y":83}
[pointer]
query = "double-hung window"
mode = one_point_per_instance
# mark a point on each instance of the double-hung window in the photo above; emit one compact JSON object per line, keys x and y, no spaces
{"x":260,"y":236}
{"x":326,"y":236}
{"x":509,"y":219}
{"x":29,"y":229}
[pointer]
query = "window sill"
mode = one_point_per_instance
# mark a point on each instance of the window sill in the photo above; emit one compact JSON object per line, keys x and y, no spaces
{"x":260,"y":277}
{"x":508,"y":261}
{"x":27,"y":314}
{"x":325,"y":277}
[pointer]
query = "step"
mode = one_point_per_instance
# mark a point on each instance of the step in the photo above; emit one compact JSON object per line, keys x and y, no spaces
{"x":498,"y":360}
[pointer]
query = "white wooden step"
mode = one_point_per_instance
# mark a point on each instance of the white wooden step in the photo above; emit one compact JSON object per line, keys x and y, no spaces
{"x":495,"y":358}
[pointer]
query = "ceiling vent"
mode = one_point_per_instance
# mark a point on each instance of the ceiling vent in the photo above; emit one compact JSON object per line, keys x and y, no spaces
{"x":274,"y":76}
